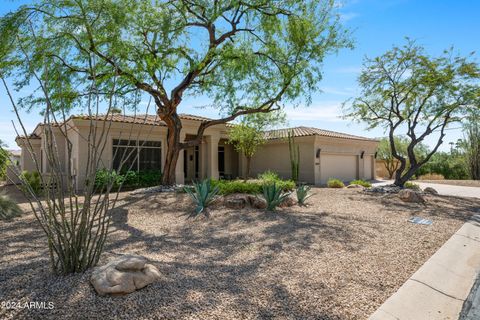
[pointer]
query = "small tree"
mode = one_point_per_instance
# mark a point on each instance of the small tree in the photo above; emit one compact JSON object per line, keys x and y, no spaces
{"x":405,"y":89}
{"x":246,"y":139}
{"x":471,"y":145}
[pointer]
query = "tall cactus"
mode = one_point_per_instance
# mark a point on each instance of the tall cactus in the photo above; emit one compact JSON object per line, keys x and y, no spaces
{"x":294,"y":156}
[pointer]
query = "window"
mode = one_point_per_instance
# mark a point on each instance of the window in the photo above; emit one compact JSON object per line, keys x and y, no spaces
{"x":136,"y":155}
{"x":221,"y":161}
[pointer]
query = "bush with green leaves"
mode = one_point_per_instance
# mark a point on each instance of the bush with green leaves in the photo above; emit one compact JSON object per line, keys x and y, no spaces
{"x":8,"y":208}
{"x":127,"y":180}
{"x":362,"y":183}
{"x":31,"y":180}
{"x":303,"y":193}
{"x":411,"y":185}
{"x":269,"y":175}
{"x":273,"y":195}
{"x":227,"y":187}
{"x":203,"y":194}
{"x":335,"y":183}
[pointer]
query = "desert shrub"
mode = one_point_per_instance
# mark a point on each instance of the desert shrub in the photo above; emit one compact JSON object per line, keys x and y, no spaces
{"x":362,"y":183}
{"x":251,"y":187}
{"x":8,"y":208}
{"x":411,"y":185}
{"x":303,"y":193}
{"x":273,"y":195}
{"x":269,"y":176}
{"x":31,"y":180}
{"x":203,"y":194}
{"x":431,"y":176}
{"x":335,"y":183}
{"x":128,"y":179}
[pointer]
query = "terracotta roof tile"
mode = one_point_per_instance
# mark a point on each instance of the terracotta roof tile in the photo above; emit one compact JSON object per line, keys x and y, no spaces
{"x":309,"y":131}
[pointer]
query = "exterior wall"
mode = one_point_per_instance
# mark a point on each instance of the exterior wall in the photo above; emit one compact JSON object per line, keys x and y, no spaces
{"x":275,"y":156}
{"x":345,"y":148}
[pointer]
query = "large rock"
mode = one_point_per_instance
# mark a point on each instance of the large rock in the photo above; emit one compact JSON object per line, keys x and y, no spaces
{"x":238,"y":202}
{"x":123,"y":275}
{"x":257,"y":202}
{"x":430,"y":190}
{"x":408,"y":195}
{"x":288,"y":202}
{"x":355,"y":186}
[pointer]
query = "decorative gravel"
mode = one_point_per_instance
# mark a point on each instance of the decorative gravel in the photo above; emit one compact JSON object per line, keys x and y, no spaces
{"x":339,"y":258}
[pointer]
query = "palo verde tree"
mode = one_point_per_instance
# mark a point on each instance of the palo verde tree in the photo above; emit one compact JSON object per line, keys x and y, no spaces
{"x":245,"y":56}
{"x":470,"y":145}
{"x":410,"y":93}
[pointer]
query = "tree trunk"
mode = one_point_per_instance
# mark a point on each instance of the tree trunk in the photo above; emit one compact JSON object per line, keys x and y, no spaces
{"x":173,"y":149}
{"x":247,"y":175}
{"x":401,"y":180}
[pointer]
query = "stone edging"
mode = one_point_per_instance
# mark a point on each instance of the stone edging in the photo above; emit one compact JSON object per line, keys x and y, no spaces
{"x":440,"y":287}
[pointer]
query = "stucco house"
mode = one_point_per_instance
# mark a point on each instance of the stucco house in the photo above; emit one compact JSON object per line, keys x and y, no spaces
{"x":323,"y":154}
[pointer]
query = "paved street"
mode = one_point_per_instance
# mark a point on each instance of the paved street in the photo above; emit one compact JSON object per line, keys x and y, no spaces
{"x":458,"y":191}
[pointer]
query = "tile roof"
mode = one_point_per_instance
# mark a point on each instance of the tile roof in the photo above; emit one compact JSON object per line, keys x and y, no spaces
{"x":309,"y":131}
{"x":139,"y":118}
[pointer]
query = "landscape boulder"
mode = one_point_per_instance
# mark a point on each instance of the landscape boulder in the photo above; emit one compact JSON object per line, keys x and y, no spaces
{"x":430,"y":190}
{"x":288,"y":202}
{"x":257,"y":202}
{"x":123,"y":275}
{"x":408,"y":195}
{"x":355,"y":186}
{"x":236,"y":202}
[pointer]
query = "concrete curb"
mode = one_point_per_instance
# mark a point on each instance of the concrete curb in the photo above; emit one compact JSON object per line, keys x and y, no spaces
{"x":440,"y":287}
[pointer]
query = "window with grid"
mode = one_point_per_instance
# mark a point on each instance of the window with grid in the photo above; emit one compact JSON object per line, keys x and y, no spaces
{"x":136,"y":155}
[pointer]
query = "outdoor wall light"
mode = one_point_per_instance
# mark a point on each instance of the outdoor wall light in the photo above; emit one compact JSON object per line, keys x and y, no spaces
{"x":376,"y":153}
{"x":361,"y":155}
{"x":318,"y":153}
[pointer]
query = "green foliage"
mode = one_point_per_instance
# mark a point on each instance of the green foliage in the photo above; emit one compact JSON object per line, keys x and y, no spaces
{"x":251,"y":187}
{"x":203,"y":194}
{"x":127,"y":180}
{"x":449,"y":165}
{"x":246,"y":140}
{"x":303,"y":193}
{"x":411,"y":185}
{"x":470,"y":145}
{"x":4,"y":161}
{"x":335,"y":183}
{"x":294,"y":151}
{"x":273,"y":195}
{"x":362,"y":183}
{"x":269,"y":176}
{"x":31,"y":182}
{"x":409,"y":93}
{"x":8,"y":208}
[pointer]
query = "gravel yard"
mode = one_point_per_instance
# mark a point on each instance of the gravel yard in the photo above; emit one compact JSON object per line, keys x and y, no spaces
{"x":339,"y":258}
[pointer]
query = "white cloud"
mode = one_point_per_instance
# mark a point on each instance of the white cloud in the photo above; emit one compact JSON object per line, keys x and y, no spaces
{"x":339,"y":91}
{"x":350,"y":69}
{"x":347,"y":16}
{"x":330,"y":111}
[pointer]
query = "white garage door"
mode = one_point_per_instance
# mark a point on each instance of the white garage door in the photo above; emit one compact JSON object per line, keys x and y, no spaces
{"x":343,"y":167}
{"x":368,"y":165}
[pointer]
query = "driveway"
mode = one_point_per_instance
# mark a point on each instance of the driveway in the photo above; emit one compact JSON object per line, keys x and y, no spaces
{"x":443,"y":189}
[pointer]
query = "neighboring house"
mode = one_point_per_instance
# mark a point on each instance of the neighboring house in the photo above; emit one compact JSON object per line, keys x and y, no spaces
{"x":323,"y":154}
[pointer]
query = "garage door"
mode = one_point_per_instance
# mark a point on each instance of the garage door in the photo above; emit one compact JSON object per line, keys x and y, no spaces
{"x":343,"y":167}
{"x":368,"y":165}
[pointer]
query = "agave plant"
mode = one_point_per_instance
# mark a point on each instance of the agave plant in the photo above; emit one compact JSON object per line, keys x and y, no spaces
{"x":8,"y":208}
{"x":273,"y":195}
{"x":202,"y":194}
{"x":303,"y":193}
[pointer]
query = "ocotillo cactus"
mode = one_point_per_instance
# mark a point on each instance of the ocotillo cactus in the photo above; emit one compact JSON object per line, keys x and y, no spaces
{"x":294,"y":156}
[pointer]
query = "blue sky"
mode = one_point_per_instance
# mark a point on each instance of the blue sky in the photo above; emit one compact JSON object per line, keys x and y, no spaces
{"x":377,"y":25}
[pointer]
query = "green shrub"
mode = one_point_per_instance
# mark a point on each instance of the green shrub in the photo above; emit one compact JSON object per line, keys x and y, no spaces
{"x":8,"y":208}
{"x":128,"y":179}
{"x":411,"y":185}
{"x":269,"y":176}
{"x":203,"y":194}
{"x":303,"y":193}
{"x":33,"y":180}
{"x":335,"y":183}
{"x":251,"y":187}
{"x":273,"y":195}
{"x":362,"y":183}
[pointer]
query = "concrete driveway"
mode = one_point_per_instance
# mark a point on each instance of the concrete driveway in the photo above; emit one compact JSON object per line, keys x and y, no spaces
{"x":444,"y":189}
